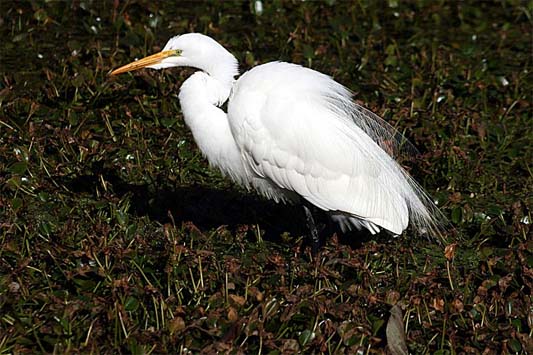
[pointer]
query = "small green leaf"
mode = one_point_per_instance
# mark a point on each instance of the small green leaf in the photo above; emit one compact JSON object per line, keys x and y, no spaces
{"x":391,"y":61}
{"x":45,"y":228}
{"x":308,"y":51}
{"x":122,"y":218}
{"x":43,"y":196}
{"x":16,"y":203}
{"x":131,"y":304}
{"x":78,"y":81}
{"x":376,"y":325}
{"x":517,"y":324}
{"x":130,"y":230}
{"x":85,"y":284}
{"x":18,"y":168}
{"x":249,"y":59}
{"x":305,"y":337}
{"x":40,"y":15}
{"x":457,"y":212}
{"x":168,"y":121}
{"x":352,"y":340}
{"x":514,"y":345}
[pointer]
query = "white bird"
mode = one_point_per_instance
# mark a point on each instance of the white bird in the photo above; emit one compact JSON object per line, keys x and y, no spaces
{"x":295,"y":135}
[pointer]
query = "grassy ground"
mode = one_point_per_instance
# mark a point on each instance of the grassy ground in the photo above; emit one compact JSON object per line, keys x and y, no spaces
{"x":116,"y":237}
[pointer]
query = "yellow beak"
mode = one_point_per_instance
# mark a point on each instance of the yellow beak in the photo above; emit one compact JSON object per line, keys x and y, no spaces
{"x":146,"y":61}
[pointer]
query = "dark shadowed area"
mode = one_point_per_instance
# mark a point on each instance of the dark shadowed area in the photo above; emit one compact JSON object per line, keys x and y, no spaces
{"x":116,"y":237}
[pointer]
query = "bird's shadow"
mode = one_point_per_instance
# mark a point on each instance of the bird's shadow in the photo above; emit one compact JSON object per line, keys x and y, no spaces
{"x":209,"y":208}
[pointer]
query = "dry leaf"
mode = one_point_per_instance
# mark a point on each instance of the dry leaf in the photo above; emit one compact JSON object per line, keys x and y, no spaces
{"x":392,"y":297}
{"x":176,"y":325}
{"x":395,"y":332}
{"x":458,"y":305}
{"x":232,"y":314}
{"x":237,"y":299}
{"x":449,"y":251}
{"x":438,"y":304}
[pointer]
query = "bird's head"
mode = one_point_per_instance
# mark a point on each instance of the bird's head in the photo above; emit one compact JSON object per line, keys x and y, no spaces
{"x":189,"y":50}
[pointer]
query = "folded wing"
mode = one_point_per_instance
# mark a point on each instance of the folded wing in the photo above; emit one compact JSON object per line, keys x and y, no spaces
{"x":301,"y":131}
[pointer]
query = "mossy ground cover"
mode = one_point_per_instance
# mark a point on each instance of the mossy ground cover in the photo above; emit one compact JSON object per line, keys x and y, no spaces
{"x":115,"y":236}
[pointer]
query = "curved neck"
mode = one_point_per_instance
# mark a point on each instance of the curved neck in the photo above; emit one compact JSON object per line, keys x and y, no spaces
{"x":199,"y":97}
{"x":222,"y":69}
{"x":224,"y":74}
{"x":203,"y":91}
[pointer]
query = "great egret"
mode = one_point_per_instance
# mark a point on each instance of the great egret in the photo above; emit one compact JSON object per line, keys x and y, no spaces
{"x":295,"y":135}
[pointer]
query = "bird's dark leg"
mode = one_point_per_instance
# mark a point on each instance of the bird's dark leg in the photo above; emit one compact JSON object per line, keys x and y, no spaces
{"x":315,"y":238}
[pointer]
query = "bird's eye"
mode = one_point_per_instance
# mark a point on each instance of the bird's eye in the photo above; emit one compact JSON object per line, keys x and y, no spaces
{"x":178,"y":52}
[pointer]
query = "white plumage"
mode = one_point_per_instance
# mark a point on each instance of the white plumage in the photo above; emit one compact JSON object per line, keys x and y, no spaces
{"x":293,"y":133}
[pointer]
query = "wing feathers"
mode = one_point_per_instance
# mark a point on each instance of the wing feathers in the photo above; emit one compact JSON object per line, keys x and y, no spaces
{"x":303,"y":133}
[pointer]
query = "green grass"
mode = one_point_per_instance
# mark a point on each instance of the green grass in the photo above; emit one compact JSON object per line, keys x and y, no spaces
{"x":116,"y":237}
